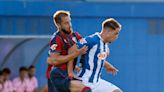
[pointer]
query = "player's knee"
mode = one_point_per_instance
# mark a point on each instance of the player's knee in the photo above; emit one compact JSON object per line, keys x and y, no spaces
{"x":79,"y":87}
{"x":117,"y":90}
{"x":75,"y":86}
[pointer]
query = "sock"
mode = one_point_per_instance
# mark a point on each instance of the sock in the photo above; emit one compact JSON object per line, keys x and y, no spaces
{"x":86,"y":89}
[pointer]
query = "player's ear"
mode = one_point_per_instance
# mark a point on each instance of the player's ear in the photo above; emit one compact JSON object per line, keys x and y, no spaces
{"x":58,"y":25}
{"x":106,"y":30}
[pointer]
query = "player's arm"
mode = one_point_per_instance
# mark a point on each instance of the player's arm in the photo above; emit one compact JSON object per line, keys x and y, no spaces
{"x":70,"y":65}
{"x":70,"y":69}
{"x":75,"y":47}
{"x":110,"y":68}
{"x":57,"y":59}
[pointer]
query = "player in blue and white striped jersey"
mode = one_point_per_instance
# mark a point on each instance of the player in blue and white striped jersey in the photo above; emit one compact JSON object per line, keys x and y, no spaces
{"x":95,"y":58}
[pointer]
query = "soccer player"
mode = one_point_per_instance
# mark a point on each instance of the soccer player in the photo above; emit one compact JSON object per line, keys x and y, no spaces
{"x":95,"y":58}
{"x":58,"y":58}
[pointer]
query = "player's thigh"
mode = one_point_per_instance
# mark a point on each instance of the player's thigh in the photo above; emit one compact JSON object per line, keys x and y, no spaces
{"x":51,"y":87}
{"x":76,"y":86}
{"x":105,"y":86}
{"x":61,"y":83}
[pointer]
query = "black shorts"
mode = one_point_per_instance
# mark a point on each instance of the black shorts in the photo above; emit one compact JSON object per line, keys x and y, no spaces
{"x":60,"y":80}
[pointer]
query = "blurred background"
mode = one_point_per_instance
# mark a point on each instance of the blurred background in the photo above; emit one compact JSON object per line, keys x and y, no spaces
{"x":26,"y":27}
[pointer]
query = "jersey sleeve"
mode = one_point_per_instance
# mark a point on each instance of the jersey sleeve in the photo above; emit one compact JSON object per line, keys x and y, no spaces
{"x":56,"y":45}
{"x":78,"y":36}
{"x":84,"y":42}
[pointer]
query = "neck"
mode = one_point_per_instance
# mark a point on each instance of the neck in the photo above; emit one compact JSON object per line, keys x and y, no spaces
{"x":65,"y":32}
{"x":103,"y":37}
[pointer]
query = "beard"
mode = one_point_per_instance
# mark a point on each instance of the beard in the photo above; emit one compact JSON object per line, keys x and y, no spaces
{"x":66,"y":32}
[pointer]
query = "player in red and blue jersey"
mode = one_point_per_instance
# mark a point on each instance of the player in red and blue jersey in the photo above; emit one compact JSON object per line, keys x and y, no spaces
{"x":58,"y":58}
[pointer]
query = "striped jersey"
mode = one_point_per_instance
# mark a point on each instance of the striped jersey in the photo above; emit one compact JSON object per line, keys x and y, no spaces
{"x":60,"y":43}
{"x":94,"y":59}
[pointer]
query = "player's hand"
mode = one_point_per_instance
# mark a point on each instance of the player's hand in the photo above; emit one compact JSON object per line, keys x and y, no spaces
{"x":112,"y":70}
{"x":72,"y":75}
{"x":83,"y":50}
{"x":77,"y":69}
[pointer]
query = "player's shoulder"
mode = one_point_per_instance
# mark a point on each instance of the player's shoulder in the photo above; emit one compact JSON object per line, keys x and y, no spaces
{"x":56,"y":36}
{"x":78,"y":35}
{"x":75,"y":32}
{"x":92,"y":37}
{"x":88,"y":40}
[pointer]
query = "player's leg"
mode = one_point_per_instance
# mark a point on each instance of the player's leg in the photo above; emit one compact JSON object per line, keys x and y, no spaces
{"x":64,"y":84}
{"x":58,"y":79}
{"x":117,"y":90}
{"x":105,"y":86}
{"x":77,"y":86}
{"x":51,"y":87}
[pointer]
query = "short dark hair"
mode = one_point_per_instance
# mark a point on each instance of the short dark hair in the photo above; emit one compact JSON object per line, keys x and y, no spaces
{"x":31,"y":66}
{"x":6,"y":70}
{"x":111,"y":23}
{"x":58,"y":16}
{"x":23,"y":68}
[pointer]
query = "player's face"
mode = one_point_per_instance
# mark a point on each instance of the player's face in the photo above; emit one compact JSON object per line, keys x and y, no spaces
{"x":112,"y":35}
{"x":66,"y":25}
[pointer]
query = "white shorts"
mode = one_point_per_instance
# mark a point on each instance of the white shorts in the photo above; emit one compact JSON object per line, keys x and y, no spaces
{"x":102,"y":86}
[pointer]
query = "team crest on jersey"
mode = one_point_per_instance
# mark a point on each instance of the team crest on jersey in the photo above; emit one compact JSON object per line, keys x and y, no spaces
{"x":82,"y":41}
{"x":53,"y":47}
{"x":102,"y":55}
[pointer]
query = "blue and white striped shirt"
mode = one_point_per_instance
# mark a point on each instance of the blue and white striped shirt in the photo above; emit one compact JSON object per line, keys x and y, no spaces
{"x":93,"y":60}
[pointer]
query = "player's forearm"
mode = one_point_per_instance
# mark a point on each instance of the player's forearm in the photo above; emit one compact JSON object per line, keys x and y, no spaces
{"x":57,"y":60}
{"x":107,"y":64}
{"x":70,"y":68}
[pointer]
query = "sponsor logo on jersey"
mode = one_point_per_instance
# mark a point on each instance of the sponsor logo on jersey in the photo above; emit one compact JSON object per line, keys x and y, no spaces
{"x":82,"y":41}
{"x":102,"y":55}
{"x":53,"y":47}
